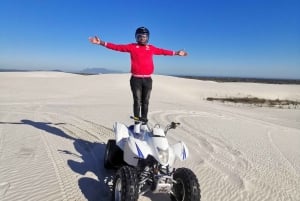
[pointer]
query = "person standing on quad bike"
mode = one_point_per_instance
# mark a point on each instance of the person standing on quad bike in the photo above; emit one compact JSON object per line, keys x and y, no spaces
{"x":142,"y":67}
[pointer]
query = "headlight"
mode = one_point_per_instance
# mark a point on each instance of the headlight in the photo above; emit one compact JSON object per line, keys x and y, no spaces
{"x":163,"y":155}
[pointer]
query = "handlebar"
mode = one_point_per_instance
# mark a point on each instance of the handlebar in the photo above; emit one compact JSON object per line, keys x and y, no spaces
{"x":172,"y":125}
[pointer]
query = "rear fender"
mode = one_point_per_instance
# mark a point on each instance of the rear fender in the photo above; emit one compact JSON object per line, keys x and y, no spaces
{"x":181,"y":150}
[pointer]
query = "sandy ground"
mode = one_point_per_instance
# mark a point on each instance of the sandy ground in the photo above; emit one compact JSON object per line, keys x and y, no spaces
{"x":54,"y":128}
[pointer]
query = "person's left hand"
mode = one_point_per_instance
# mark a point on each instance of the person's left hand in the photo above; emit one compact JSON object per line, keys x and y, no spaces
{"x":182,"y":53}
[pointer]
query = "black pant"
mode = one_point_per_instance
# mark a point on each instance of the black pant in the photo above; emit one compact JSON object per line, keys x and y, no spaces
{"x":141,"y":90}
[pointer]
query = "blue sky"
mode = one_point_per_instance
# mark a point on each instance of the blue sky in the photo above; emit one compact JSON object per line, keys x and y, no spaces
{"x":247,"y":38}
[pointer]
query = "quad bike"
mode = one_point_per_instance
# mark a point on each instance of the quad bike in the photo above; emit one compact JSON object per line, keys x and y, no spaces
{"x":144,"y":163}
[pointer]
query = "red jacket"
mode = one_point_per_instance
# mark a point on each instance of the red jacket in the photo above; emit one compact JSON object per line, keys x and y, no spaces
{"x":141,"y":56}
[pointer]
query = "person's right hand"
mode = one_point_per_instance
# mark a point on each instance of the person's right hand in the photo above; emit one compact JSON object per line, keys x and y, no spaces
{"x":95,"y":40}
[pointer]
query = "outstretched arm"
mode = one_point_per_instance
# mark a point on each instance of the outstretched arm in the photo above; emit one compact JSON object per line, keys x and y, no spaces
{"x":117,"y":47}
{"x":181,"y":53}
{"x":95,"y":40}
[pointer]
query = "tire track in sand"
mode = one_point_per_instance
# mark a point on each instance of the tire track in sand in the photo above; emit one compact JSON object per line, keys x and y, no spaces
{"x":91,"y":181}
{"x":207,"y":150}
{"x":224,"y":165}
{"x":4,"y":185}
{"x":65,"y":178}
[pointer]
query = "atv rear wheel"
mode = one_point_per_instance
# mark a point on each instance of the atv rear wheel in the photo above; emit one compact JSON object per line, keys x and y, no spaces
{"x":186,"y":187}
{"x":125,"y":186}
{"x":113,"y":155}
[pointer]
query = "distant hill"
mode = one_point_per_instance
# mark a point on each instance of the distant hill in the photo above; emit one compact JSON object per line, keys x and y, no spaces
{"x":87,"y":71}
{"x":243,"y":79}
{"x":98,"y":71}
{"x":12,"y":70}
{"x":95,"y":71}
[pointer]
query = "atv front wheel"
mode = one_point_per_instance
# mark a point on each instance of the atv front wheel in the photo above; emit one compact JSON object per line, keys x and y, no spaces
{"x":186,"y":187}
{"x":113,"y":155}
{"x":125,"y":186}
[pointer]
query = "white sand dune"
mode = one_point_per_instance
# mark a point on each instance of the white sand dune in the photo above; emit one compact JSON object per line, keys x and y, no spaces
{"x":54,"y":128}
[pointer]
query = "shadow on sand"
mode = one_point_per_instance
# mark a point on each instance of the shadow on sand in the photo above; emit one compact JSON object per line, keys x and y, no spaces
{"x":91,"y":154}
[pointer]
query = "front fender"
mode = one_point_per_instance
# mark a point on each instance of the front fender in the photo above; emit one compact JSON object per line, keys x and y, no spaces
{"x":122,"y":133}
{"x":181,"y":150}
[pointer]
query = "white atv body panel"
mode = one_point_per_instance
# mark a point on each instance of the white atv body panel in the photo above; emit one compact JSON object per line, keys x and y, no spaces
{"x":139,"y":146}
{"x":136,"y":148}
{"x":121,"y":133}
{"x":181,"y":150}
